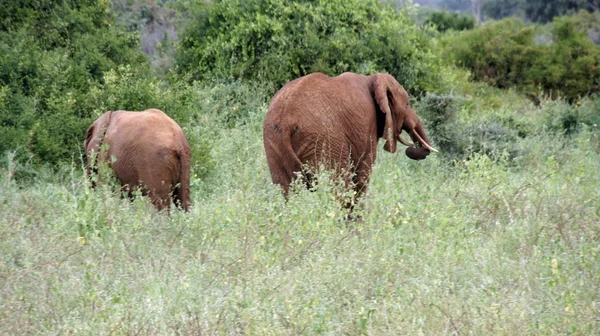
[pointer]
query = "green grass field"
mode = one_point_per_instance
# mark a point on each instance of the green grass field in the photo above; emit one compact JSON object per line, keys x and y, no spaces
{"x":480,"y":246}
{"x":498,"y":234}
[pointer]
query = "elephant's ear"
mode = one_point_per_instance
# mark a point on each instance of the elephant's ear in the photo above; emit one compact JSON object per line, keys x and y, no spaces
{"x":88,"y":137}
{"x":96,"y":133}
{"x":382,"y":95}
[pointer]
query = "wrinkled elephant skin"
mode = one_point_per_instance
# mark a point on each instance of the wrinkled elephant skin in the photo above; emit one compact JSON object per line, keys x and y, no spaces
{"x":336,"y":122}
{"x":147,"y":151}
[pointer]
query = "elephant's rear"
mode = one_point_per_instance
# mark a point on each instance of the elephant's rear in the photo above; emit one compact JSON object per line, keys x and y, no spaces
{"x":176,"y":158}
{"x":311,"y":121}
{"x":182,"y":191}
{"x":279,"y":126}
{"x":151,"y":149}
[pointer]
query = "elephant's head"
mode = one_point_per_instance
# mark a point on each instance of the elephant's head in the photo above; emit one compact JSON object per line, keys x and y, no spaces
{"x":398,"y":116}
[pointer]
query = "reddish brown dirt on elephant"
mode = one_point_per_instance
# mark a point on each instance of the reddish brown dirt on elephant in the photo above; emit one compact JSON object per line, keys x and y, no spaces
{"x":147,"y":151}
{"x":336,"y":122}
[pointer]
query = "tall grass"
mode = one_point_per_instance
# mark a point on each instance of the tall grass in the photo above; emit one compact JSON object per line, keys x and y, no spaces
{"x":482,"y":244}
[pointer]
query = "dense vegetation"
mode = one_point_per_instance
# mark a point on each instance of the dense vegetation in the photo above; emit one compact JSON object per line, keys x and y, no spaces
{"x":52,"y":72}
{"x":498,"y":234}
{"x":443,"y":20}
{"x":545,"y":11}
{"x":532,"y":10}
{"x":508,"y":53}
{"x":64,"y":63}
{"x":276,"y":41}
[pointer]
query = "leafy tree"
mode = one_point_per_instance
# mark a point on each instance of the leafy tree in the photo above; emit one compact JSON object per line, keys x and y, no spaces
{"x":444,"y":20}
{"x":588,"y":22}
{"x":545,"y":11}
{"x":53,"y":54}
{"x":455,"y":5}
{"x":278,"y":40}
{"x":504,"y":54}
{"x":499,"y":9}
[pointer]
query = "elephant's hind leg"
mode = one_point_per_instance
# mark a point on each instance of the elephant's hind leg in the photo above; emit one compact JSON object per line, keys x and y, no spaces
{"x":280,"y":176}
{"x":160,"y":196}
{"x":283,"y":173}
{"x":160,"y":201}
{"x":176,"y":196}
{"x":282,"y":160}
{"x":179,"y":198}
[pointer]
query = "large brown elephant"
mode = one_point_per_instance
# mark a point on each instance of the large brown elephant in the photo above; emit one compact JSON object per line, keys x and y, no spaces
{"x":147,"y":151}
{"x":336,"y":122}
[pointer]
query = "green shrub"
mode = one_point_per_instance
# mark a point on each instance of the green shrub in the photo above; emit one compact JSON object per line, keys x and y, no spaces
{"x":506,"y":54}
{"x":589,"y":23}
{"x":458,"y":138}
{"x":546,"y":11}
{"x":439,"y":113}
{"x":491,"y":52}
{"x":52,"y":55}
{"x":232,"y":103}
{"x":558,"y":116}
{"x":58,"y":76}
{"x":443,"y":20}
{"x":275,"y":41}
{"x":500,"y":9}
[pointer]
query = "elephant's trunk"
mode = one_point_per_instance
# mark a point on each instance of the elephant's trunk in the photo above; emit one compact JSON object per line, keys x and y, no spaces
{"x":420,"y":137}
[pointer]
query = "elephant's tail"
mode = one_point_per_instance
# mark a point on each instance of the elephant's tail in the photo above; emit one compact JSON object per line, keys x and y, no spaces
{"x":283,"y":161}
{"x":183,"y":191}
{"x":97,"y":137}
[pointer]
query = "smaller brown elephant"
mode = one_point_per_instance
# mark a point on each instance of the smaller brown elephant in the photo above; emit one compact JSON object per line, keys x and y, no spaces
{"x":147,"y":151}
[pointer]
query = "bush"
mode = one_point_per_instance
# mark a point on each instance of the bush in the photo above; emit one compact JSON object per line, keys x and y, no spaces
{"x":572,"y":68}
{"x":458,"y":138}
{"x":230,"y":104}
{"x":561,"y":117}
{"x":275,"y":41}
{"x":58,"y":76}
{"x":49,"y":66}
{"x":443,"y":21}
{"x":589,"y":23}
{"x":439,"y":113}
{"x":124,"y":90}
{"x":546,"y":11}
{"x":505,"y":54}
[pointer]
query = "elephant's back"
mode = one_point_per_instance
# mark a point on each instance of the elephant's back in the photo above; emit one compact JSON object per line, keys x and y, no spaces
{"x":317,"y":101}
{"x":296,"y":94}
{"x":145,"y":136}
{"x":299,"y":101}
{"x":147,"y":146}
{"x":317,"y":114}
{"x":144,"y":118}
{"x":150,"y":125}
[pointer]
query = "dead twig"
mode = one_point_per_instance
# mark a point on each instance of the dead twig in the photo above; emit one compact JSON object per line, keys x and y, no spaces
{"x":456,"y":330}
